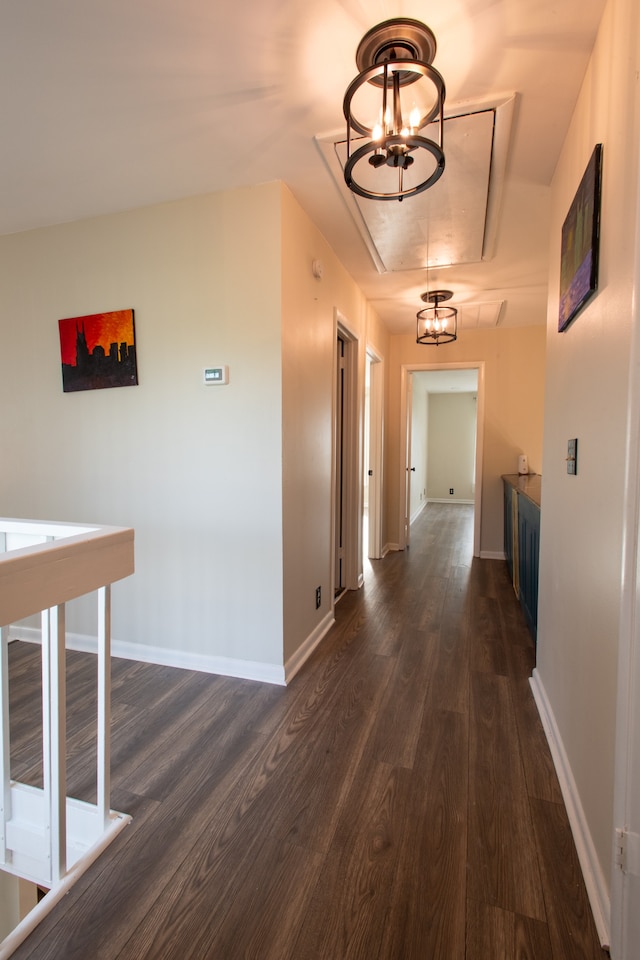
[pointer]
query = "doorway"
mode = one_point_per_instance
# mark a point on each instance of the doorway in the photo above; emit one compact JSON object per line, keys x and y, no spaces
{"x":347,"y":527}
{"x":409,"y":468}
{"x":372,"y":480}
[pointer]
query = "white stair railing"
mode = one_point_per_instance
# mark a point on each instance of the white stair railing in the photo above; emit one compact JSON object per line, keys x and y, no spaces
{"x":44,"y":834}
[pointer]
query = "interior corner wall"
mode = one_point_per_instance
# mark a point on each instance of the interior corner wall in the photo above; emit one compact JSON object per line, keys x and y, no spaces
{"x":310,"y":308}
{"x":514,"y":363}
{"x":194,"y":469}
{"x":588,"y":376}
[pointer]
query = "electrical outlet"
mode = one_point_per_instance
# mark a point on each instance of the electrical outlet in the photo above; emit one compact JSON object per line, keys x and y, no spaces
{"x":318,"y":597}
{"x":451,"y":491}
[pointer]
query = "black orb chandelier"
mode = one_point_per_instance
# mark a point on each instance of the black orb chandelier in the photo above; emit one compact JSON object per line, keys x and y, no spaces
{"x":395,"y":96}
{"x":437,"y":324}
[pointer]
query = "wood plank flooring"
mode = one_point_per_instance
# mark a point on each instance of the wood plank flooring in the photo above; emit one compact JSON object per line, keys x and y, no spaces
{"x":396,"y":802}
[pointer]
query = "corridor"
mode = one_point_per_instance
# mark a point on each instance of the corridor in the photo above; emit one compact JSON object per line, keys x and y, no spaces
{"x":396,"y":802}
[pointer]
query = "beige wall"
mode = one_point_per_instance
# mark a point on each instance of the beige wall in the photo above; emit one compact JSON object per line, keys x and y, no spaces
{"x":588,"y":376}
{"x":514,"y":362}
{"x":452,"y":447}
{"x":309,"y":317}
{"x":228,"y":487}
{"x":196,"y":470}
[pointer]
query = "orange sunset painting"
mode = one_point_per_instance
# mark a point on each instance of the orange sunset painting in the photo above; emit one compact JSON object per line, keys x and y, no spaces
{"x":98,"y":351}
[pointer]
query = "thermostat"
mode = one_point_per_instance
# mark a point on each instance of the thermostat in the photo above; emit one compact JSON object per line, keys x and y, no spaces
{"x":216,"y":375}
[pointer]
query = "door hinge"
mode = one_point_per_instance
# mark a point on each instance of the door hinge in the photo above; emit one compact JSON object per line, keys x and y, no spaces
{"x":627,"y":852}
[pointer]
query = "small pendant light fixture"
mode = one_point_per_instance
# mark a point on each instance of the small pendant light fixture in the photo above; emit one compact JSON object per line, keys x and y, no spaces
{"x":437,"y":324}
{"x":396,"y":94}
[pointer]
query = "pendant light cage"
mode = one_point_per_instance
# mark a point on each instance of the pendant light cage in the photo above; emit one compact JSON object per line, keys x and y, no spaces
{"x":396,"y":95}
{"x":437,"y":324}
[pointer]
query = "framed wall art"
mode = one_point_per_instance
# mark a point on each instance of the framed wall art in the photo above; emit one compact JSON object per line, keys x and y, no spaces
{"x":580,"y":243}
{"x":98,"y":351}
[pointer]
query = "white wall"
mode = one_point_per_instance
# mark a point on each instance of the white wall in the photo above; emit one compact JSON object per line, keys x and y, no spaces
{"x":196,"y":470}
{"x":452,"y":446}
{"x":582,"y":534}
{"x":17,"y":898}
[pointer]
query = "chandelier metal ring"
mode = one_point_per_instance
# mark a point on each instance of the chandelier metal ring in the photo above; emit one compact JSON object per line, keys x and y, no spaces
{"x":400,"y":66}
{"x":373,"y":147}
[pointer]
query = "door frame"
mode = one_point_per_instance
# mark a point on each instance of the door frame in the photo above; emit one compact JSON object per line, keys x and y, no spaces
{"x":352,"y":460}
{"x":406,"y":370}
{"x":375,"y":431}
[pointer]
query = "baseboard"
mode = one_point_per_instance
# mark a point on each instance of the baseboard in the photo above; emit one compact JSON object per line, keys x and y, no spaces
{"x":390,"y":548}
{"x":417,"y":513}
{"x":591,"y":869}
{"x":304,"y":651}
{"x":492,"y":555}
{"x":222,"y":666}
{"x":448,"y":500}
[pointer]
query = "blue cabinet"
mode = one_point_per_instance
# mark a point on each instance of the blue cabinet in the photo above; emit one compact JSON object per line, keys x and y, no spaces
{"x":522,"y":541}
{"x":528,"y":556}
{"x":509,"y":493}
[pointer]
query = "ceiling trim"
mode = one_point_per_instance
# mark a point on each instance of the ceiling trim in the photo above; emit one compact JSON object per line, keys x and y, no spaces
{"x":504,"y":109}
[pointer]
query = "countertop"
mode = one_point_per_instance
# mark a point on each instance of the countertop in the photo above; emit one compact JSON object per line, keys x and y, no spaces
{"x":529,"y":484}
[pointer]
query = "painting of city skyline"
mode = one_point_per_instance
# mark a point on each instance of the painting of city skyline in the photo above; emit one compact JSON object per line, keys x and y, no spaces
{"x":98,"y":351}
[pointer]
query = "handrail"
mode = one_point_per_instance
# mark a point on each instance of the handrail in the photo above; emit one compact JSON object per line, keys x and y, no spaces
{"x":44,"y":833}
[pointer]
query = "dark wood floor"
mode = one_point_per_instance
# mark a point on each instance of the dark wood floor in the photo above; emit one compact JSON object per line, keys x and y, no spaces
{"x":396,"y":802}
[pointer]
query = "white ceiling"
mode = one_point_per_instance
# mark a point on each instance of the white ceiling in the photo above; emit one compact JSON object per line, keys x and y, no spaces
{"x":118,"y":104}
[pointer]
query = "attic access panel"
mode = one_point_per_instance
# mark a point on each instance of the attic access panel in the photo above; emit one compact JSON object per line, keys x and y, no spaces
{"x":448,"y":219}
